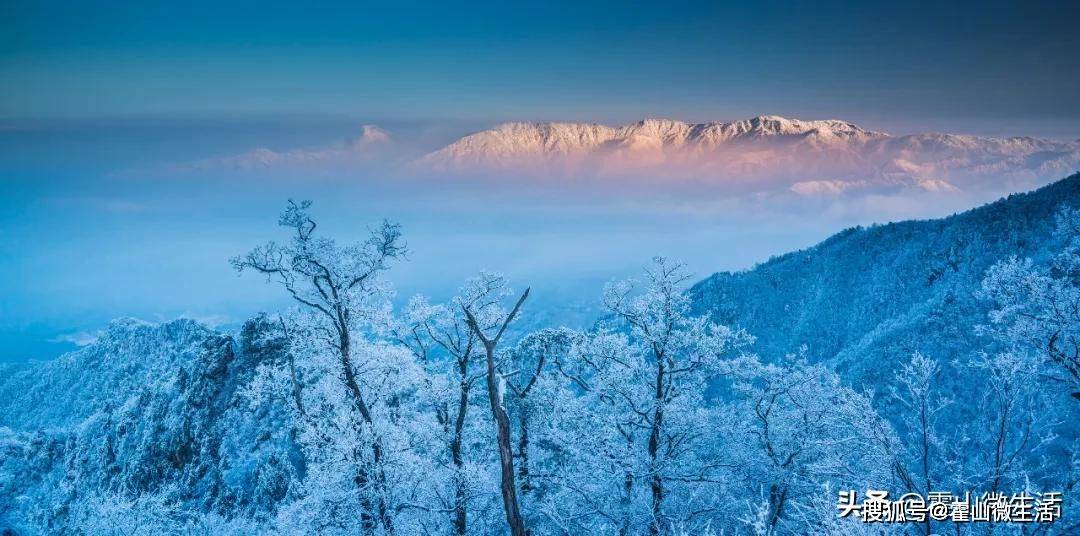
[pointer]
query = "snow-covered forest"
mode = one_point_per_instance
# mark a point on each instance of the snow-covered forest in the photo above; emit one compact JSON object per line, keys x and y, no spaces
{"x":918,"y":357}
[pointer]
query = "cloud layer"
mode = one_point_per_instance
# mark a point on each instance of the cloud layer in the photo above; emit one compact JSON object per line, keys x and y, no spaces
{"x":373,"y":146}
{"x":767,"y":164}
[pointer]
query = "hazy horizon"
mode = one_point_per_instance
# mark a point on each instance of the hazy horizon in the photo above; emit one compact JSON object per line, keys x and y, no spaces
{"x":141,"y":146}
{"x":113,"y":230}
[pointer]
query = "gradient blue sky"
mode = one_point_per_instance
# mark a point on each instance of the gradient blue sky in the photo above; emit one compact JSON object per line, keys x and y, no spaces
{"x":898,"y":66}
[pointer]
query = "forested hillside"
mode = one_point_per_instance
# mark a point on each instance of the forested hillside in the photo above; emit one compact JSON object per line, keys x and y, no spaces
{"x":868,"y":297}
{"x":147,"y":411}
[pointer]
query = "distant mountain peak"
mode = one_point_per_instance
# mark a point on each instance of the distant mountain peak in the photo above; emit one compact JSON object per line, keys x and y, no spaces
{"x":806,"y":157}
{"x":371,"y":141}
{"x":507,"y":142}
{"x":371,"y":134}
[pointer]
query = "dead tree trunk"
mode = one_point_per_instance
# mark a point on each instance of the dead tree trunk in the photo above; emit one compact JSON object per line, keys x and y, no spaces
{"x":502,"y":422}
{"x":506,"y":455}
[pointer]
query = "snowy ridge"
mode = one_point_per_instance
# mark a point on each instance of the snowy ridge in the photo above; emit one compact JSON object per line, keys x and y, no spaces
{"x":868,"y":294}
{"x":765,"y":155}
{"x":828,"y":157}
{"x":509,"y":142}
{"x":129,"y":355}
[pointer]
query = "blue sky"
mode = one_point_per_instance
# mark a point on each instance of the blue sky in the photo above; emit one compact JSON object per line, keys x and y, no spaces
{"x":991,"y":63}
{"x":96,"y":97}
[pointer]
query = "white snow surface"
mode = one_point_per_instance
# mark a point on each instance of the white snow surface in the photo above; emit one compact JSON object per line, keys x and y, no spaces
{"x":804,"y":157}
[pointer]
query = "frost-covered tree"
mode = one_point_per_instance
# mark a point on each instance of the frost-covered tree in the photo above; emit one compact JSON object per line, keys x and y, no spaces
{"x":453,"y":354}
{"x":995,"y":432}
{"x":327,"y":499}
{"x":489,"y":328}
{"x":1023,"y":436}
{"x":1040,"y":308}
{"x":338,"y":286}
{"x":798,"y":428}
{"x":1014,"y":421}
{"x":655,"y":378}
{"x":922,"y":406}
{"x":535,"y":357}
{"x":589,"y":457}
{"x":151,"y":516}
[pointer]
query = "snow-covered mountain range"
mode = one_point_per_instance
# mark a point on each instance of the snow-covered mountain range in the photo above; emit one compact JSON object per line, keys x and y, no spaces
{"x":805,"y":157}
{"x":765,"y":155}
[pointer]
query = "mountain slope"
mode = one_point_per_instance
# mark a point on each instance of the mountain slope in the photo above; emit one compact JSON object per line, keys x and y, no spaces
{"x":146,"y":409}
{"x":767,"y":151}
{"x":866,"y":298}
{"x":513,"y":140}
